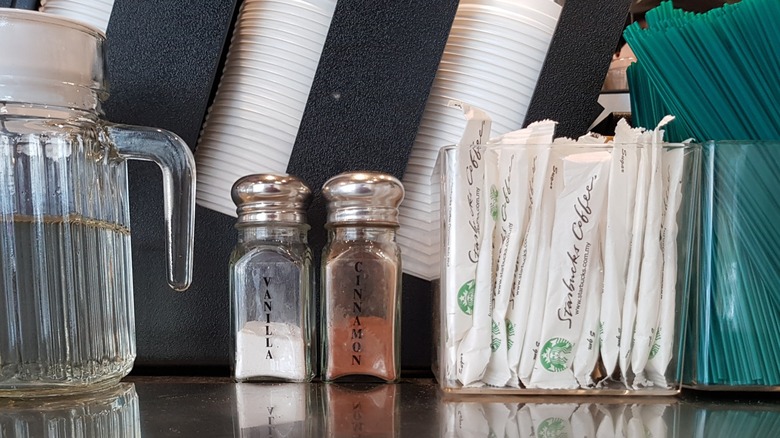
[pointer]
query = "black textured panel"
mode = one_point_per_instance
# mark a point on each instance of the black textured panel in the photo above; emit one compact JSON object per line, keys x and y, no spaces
{"x":163,"y":57}
{"x":371,"y":85}
{"x":26,"y":4}
{"x":20,"y":4}
{"x":576,"y":64}
{"x":373,"y":80}
{"x":162,"y":60}
{"x":416,"y":324}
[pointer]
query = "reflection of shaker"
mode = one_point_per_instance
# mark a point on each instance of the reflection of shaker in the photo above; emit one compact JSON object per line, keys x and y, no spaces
{"x":361,"y":277}
{"x":362,"y":411}
{"x":274,"y":410}
{"x":112,"y":413}
{"x":270,"y":280}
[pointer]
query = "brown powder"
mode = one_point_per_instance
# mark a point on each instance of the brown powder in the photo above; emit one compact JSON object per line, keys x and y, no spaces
{"x":361,"y":345}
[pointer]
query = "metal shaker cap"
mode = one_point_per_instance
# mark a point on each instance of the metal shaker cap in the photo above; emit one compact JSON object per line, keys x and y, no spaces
{"x":363,"y":197}
{"x":266,"y":197}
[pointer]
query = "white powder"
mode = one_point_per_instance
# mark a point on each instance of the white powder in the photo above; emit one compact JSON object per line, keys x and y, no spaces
{"x":273,"y":350}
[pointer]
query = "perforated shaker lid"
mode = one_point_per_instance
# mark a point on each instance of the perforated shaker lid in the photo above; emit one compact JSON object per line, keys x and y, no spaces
{"x":266,"y":197}
{"x":363,"y":197}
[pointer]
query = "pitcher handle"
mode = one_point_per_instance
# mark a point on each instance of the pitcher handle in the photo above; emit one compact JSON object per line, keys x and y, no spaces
{"x":173,"y":156}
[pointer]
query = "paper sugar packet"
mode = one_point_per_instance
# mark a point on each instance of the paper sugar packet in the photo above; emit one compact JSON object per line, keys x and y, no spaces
{"x":511,"y":430}
{"x":536,"y":278}
{"x":652,"y":416}
{"x":587,"y":351}
{"x":497,"y":415}
{"x":475,"y":348}
{"x":628,"y":315}
{"x":552,"y":419}
{"x":649,"y":293}
{"x":661,"y":351}
{"x":574,"y":235}
{"x":509,"y":228}
{"x":470,"y":420}
{"x":582,"y":422}
{"x":521,"y":149}
{"x":463,"y":236}
{"x":606,"y":426}
{"x":525,"y":425}
{"x":533,"y":280}
{"x":619,"y":223}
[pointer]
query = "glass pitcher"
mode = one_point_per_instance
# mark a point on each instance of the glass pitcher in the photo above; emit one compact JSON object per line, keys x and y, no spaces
{"x":66,"y":302}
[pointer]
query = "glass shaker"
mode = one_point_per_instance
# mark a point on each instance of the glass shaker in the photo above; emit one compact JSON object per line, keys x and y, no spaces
{"x":271,"y":281}
{"x":361,"y":278}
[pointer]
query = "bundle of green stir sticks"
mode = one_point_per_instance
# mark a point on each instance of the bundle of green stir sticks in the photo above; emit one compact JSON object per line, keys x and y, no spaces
{"x":717,"y":72}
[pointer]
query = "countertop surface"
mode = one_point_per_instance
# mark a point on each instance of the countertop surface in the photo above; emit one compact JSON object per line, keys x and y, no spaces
{"x":216,"y":407}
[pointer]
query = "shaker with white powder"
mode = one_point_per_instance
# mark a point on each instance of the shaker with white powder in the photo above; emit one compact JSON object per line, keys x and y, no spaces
{"x":271,"y":281}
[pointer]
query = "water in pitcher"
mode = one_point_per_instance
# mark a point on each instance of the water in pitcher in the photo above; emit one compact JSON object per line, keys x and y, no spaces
{"x":65,"y":300}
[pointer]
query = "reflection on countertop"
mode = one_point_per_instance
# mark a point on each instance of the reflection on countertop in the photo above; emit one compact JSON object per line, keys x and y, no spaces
{"x":216,"y":407}
{"x":113,"y":412}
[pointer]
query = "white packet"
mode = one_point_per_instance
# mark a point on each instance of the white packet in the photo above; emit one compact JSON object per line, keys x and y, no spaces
{"x":661,"y":353}
{"x":510,"y":227}
{"x":606,"y":426}
{"x":574,"y":233}
{"x":534,"y":277}
{"x":497,"y":415}
{"x":582,"y":424}
{"x":635,"y":257}
{"x":552,"y":420}
{"x":619,"y":220}
{"x":621,"y":421}
{"x":474,"y":350}
{"x":648,"y":299}
{"x":463,"y":237}
{"x":470,"y":420}
{"x":525,"y":425}
{"x":539,"y":137}
{"x":449,"y":419}
{"x":636,"y":427}
{"x":511,"y":430}
{"x":653,"y":419}
{"x":587,"y":351}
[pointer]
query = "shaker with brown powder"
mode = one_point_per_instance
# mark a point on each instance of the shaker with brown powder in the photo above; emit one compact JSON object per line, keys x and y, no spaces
{"x":361,"y":278}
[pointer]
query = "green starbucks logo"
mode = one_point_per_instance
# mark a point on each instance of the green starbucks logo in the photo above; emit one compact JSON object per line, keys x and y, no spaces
{"x":495,"y":341}
{"x":494,"y":202}
{"x":552,"y":428}
{"x":466,"y":297}
{"x":510,"y":334}
{"x":555,"y":355}
{"x":656,"y":344}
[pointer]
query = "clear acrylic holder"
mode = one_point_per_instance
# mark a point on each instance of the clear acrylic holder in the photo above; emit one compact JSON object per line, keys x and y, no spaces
{"x":446,"y":292}
{"x":734,"y":340}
